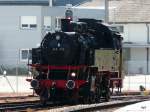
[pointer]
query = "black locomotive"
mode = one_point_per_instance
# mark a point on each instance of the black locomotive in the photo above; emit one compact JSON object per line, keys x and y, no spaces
{"x":66,"y":62}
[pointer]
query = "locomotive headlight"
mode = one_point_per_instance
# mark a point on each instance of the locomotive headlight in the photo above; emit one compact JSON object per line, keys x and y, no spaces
{"x":53,"y":84}
{"x":58,"y":44}
{"x":73,"y":74}
{"x":5,"y":72}
{"x":57,"y":37}
{"x":34,"y":83}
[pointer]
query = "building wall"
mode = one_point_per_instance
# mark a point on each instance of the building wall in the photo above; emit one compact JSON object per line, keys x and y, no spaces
{"x":12,"y":37}
{"x":138,"y":35}
{"x":137,"y":63}
{"x":78,"y":12}
{"x":135,"y":33}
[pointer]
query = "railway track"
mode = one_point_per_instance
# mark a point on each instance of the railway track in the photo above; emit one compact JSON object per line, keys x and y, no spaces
{"x":116,"y":101}
{"x":18,"y":97}
{"x":24,"y":106}
{"x":130,"y":97}
{"x":18,"y":106}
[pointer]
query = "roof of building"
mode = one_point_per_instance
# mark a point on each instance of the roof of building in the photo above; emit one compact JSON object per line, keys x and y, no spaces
{"x":130,"y":11}
{"x":93,"y":3}
{"x":122,"y":11}
{"x":24,"y":2}
{"x":41,"y":2}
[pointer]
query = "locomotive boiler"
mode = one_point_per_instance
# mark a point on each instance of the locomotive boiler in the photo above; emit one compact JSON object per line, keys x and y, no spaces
{"x":77,"y":64}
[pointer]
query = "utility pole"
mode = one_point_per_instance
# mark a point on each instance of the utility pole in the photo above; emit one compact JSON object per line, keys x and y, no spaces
{"x":106,"y":11}
{"x":50,"y":3}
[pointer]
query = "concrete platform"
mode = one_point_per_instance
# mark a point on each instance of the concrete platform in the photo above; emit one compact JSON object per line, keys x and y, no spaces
{"x":138,"y":107}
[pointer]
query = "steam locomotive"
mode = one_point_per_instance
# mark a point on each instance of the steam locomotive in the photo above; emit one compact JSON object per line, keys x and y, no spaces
{"x":80,"y":63}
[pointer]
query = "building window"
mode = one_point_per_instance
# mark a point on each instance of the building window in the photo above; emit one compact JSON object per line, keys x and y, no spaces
{"x":126,"y":54}
{"x":58,"y":22}
{"x":25,"y":55}
{"x":118,"y":28}
{"x":28,"y":22}
{"x":24,"y":25}
{"x":47,"y":23}
{"x":33,"y":25}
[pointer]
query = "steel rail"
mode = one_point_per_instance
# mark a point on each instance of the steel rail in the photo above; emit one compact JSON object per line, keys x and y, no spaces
{"x":54,"y":107}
